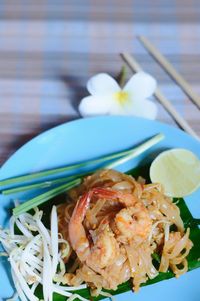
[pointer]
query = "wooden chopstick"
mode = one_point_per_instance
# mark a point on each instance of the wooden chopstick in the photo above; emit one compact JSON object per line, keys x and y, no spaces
{"x":167,"y":66}
{"x":181,"y":122}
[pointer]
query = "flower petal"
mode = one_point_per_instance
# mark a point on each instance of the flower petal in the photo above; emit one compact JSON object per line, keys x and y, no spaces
{"x":148,"y":109}
{"x":94,"y":105}
{"x":141,"y":85}
{"x":144,"y":108}
{"x":102,"y":84}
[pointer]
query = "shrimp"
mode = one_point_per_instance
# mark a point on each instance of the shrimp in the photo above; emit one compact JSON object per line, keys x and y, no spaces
{"x":127,"y":199}
{"x":104,"y":249}
{"x":133,"y":223}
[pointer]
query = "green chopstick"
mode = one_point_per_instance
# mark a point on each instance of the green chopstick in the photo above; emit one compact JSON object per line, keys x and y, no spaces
{"x":42,"y":198}
{"x":136,"y":151}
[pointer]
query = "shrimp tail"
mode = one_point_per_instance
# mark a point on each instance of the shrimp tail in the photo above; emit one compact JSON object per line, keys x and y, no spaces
{"x":81,"y":207}
{"x":124,"y":198}
{"x":77,"y":233}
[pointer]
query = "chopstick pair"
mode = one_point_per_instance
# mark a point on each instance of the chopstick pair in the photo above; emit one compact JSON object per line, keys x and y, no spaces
{"x":135,"y":67}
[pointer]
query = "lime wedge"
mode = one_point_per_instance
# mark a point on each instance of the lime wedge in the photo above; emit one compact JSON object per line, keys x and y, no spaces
{"x":178,"y":170}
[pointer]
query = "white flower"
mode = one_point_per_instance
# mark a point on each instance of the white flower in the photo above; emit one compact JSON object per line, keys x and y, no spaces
{"x":108,"y":98}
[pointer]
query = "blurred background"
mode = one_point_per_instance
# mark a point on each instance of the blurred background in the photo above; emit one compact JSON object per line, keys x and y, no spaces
{"x":49,"y":49}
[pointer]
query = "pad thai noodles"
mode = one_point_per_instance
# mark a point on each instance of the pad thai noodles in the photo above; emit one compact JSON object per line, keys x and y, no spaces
{"x":114,"y":225}
{"x":106,"y":233}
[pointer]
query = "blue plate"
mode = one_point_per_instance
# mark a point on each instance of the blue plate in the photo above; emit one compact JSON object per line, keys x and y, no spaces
{"x":89,"y":138}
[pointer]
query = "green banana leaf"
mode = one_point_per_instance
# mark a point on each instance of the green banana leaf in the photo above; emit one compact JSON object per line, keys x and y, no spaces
{"x":193,"y":257}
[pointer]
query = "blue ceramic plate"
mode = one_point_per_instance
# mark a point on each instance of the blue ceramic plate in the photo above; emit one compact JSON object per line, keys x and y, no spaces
{"x":89,"y":138}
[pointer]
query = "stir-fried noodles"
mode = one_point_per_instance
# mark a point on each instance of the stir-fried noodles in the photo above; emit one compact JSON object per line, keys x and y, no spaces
{"x":114,"y":225}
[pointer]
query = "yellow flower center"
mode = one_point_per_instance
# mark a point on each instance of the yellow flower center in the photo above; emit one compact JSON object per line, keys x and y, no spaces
{"x":122,"y":97}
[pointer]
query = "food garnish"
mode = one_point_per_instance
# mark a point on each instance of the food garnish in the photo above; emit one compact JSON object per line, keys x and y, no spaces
{"x":35,"y":256}
{"x":178,"y":170}
{"x":72,"y":180}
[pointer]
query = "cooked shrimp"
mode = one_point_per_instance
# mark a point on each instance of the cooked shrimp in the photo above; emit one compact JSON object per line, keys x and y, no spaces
{"x":127,"y":199}
{"x":104,"y":250}
{"x":105,"y":245}
{"x":134,"y":222}
{"x":77,"y":234}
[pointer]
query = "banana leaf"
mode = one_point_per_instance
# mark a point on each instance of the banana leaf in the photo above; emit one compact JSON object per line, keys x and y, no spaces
{"x":193,"y":257}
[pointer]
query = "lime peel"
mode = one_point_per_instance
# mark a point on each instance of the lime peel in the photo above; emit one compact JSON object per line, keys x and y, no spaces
{"x":178,"y":170}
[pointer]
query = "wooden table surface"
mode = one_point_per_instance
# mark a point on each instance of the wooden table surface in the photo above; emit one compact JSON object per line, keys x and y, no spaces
{"x":49,"y":49}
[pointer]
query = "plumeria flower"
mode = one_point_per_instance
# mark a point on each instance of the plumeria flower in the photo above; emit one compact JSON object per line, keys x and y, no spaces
{"x":107,"y":98}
